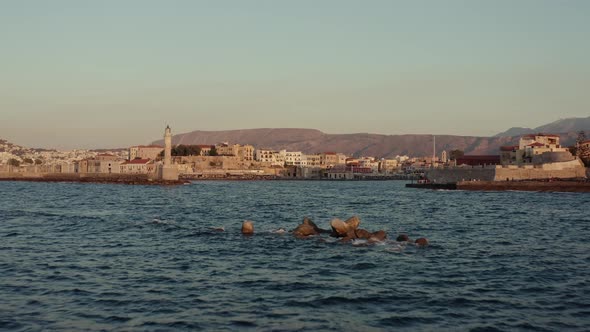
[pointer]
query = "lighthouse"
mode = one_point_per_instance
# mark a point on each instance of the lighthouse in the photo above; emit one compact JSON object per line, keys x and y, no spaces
{"x":168,"y":172}
{"x":168,"y":146}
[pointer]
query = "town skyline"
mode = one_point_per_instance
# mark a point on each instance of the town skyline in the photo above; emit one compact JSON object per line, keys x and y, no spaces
{"x":74,"y":74}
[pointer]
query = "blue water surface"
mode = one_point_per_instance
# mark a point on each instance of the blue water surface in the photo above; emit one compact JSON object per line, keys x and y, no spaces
{"x":145,"y":258}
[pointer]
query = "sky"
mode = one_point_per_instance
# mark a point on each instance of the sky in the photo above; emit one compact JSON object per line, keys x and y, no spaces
{"x":114,"y":73}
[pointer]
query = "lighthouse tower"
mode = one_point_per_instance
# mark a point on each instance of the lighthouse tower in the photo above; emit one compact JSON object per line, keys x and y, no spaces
{"x":168,"y":172}
{"x":168,"y":146}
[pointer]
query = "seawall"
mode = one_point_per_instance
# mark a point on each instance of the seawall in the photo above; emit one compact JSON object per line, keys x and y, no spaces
{"x":545,"y":186}
{"x":137,"y":179}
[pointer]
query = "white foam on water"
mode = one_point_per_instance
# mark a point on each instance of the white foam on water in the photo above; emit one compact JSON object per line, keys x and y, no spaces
{"x":162,"y":222}
{"x":359,"y":242}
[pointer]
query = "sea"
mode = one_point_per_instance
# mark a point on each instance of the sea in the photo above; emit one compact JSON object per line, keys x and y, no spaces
{"x":112,"y":257}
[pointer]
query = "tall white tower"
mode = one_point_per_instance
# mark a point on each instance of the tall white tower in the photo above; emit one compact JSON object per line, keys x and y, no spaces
{"x":168,"y":172}
{"x":168,"y":146}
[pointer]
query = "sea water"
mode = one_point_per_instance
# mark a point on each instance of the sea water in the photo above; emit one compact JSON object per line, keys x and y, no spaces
{"x":136,"y":258}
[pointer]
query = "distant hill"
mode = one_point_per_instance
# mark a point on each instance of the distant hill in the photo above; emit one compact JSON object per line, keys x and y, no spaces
{"x":364,"y":144}
{"x":515,"y":131}
{"x":360,"y":144}
{"x":558,"y":127}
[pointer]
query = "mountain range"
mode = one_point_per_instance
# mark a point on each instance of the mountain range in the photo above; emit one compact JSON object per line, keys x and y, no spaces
{"x":383,"y":146}
{"x":560,"y":126}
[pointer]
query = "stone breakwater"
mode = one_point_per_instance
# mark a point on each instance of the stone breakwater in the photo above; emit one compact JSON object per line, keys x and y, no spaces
{"x":139,"y":179}
{"x":546,"y":186}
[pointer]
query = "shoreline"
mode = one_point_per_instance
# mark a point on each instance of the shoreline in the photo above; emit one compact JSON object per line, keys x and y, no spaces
{"x":127,"y":180}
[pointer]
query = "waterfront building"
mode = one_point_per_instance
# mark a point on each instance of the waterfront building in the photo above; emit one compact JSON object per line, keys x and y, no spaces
{"x":340,"y":172}
{"x":293,"y":158}
{"x":311,"y":160}
{"x":535,"y":149}
{"x":246,"y":152}
{"x":225,"y":149}
{"x":275,"y":158}
{"x":136,"y":166}
{"x":145,"y":152}
{"x":328,"y":159}
{"x":388,"y":165}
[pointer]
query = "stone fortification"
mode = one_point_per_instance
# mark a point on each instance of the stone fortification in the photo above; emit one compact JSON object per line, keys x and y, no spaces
{"x":454,"y":175}
{"x":568,"y":170}
{"x":553,"y":157}
{"x":560,"y":170}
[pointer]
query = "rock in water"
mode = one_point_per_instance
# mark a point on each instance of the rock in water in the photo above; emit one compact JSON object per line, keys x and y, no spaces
{"x":339,"y":228}
{"x":307,"y":228}
{"x":362,"y":234}
{"x":403,"y":238}
{"x":343,"y":228}
{"x":353,"y":223}
{"x":247,"y":227}
{"x":421,"y":242}
{"x":378,"y":236}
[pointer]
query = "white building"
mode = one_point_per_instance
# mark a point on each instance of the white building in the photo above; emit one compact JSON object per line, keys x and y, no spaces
{"x":293,"y":158}
{"x":273,"y":157}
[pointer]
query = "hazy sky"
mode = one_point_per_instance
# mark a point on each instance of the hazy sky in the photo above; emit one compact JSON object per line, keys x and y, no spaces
{"x":114,"y":73}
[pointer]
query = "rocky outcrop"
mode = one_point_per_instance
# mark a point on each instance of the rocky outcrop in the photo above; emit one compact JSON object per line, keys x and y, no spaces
{"x":348,"y":230}
{"x":345,"y":228}
{"x":308,"y":228}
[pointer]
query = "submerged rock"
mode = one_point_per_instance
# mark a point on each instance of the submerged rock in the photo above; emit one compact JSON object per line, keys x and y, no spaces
{"x":279,"y":231}
{"x":362,"y":234}
{"x":421,"y":242}
{"x":403,"y":238}
{"x":247,"y":227}
{"x":378,"y":236}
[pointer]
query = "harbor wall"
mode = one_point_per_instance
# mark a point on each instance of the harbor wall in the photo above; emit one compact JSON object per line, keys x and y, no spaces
{"x":454,"y":175}
{"x":562,"y":170}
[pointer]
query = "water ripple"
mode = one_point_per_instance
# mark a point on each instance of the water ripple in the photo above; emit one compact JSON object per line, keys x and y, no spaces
{"x":111,"y":257}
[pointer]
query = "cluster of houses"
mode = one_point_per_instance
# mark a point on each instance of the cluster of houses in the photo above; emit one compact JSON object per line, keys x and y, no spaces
{"x":224,"y":159}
